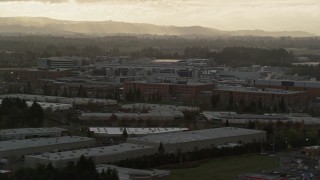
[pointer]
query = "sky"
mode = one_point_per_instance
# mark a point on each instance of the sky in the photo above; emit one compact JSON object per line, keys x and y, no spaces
{"x":270,"y":15}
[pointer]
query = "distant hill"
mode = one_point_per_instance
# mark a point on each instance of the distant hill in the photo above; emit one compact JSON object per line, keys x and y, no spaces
{"x":44,"y":26}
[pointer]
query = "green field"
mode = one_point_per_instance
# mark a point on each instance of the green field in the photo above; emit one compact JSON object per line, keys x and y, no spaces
{"x":227,"y":168}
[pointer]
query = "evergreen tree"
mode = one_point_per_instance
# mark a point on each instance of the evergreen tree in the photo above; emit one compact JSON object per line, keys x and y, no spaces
{"x":124,"y":134}
{"x":227,"y":123}
{"x":161,"y":149}
{"x":35,"y":115}
{"x":65,"y":92}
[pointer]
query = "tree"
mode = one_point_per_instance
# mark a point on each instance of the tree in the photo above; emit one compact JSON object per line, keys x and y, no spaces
{"x":113,"y":117}
{"x":282,"y":106}
{"x":35,"y":115}
{"x":230,"y":102}
{"x":124,"y":134}
{"x":251,"y":125}
{"x":226,"y":123}
{"x":28,"y":89}
{"x":161,"y":149}
{"x":215,"y":101}
{"x":65,"y":92}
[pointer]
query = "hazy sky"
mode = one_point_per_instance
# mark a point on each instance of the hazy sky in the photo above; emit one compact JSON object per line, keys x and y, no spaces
{"x":222,"y":14}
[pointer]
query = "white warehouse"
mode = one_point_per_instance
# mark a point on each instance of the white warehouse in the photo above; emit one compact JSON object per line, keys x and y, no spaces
{"x":195,"y":140}
{"x":17,"y":149}
{"x":118,"y":131}
{"x":99,"y":155}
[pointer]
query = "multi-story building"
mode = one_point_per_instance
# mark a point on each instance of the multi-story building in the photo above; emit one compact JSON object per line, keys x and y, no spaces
{"x":168,"y":90}
{"x":34,"y":75}
{"x":267,"y":97}
{"x":311,"y":87}
{"x":60,"y":62}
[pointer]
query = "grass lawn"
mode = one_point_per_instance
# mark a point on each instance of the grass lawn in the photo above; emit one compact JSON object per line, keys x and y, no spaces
{"x":227,"y":168}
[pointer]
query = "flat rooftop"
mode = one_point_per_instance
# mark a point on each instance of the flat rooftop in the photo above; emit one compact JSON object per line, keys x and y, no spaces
{"x":187,"y":84}
{"x":133,"y":131}
{"x":157,"y":107}
{"x":266,"y":91}
{"x":124,"y":173}
{"x":91,"y":152}
{"x":254,"y":116}
{"x":55,"y":99}
{"x":39,"y":142}
{"x":154,"y":114}
{"x":190,"y":136}
{"x":27,"y":131}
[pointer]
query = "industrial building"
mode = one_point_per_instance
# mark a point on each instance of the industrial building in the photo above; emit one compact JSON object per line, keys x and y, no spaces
{"x":136,"y":174}
{"x":266,"y":97}
{"x":234,"y":118}
{"x":60,"y":62}
{"x":62,"y":100}
{"x":29,"y":133}
{"x":17,"y":149}
{"x":99,"y":155}
{"x":200,"y":139}
{"x":311,"y":87}
{"x":152,"y":116}
{"x":95,"y":87}
{"x":168,"y":90}
{"x":49,"y":106}
{"x":34,"y":75}
{"x":118,"y":131}
{"x":140,"y":107}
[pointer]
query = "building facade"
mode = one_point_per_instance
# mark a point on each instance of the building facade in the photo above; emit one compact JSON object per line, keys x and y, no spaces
{"x":190,"y":141}
{"x":168,"y":90}
{"x":311,"y":87}
{"x":34,"y":75}
{"x":267,"y":97}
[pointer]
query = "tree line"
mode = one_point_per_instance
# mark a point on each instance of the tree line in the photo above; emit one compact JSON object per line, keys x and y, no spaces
{"x":84,"y":169}
{"x":15,"y":113}
{"x":305,"y":70}
{"x":253,"y":106}
{"x":236,"y":51}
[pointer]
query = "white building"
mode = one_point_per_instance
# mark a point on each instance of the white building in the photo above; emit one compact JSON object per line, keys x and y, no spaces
{"x":60,"y":100}
{"x":157,"y":107}
{"x":28,"y":133}
{"x":99,"y":155}
{"x":60,"y":62}
{"x":195,"y":140}
{"x":234,"y":118}
{"x":50,"y":106}
{"x":18,"y":149}
{"x":118,"y":131}
{"x":128,"y":173}
{"x":152,"y":116}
